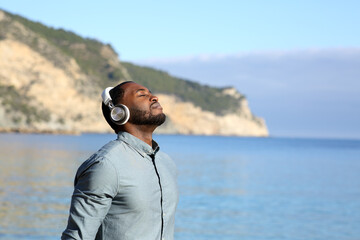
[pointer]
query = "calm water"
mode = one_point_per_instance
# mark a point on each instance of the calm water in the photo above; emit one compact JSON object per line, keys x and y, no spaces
{"x":231,"y":188}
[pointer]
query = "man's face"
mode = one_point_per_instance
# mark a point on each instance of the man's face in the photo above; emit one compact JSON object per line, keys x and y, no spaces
{"x":144,"y":107}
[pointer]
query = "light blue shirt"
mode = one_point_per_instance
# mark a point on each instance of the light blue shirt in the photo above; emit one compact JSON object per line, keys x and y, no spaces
{"x":126,"y":191}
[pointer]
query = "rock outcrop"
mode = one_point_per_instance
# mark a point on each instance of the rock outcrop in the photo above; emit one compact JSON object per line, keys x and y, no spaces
{"x":42,"y":95}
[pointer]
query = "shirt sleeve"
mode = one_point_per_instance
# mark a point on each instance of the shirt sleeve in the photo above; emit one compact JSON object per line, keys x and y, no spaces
{"x":95,"y":186}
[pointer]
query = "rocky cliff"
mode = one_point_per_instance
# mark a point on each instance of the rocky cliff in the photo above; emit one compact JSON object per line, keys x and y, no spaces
{"x":51,"y":81}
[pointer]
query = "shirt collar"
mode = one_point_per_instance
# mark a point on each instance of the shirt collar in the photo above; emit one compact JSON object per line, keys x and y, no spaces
{"x":140,"y":146}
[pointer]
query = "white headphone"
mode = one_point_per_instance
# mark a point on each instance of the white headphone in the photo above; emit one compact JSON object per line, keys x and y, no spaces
{"x":119,"y":113}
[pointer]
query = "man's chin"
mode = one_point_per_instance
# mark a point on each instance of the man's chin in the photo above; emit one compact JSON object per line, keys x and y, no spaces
{"x":159,"y":119}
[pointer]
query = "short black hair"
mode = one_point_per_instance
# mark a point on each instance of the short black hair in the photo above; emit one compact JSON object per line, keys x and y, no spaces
{"x":116,"y":94}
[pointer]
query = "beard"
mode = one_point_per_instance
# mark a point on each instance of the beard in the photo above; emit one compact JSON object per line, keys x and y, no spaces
{"x":141,"y":117}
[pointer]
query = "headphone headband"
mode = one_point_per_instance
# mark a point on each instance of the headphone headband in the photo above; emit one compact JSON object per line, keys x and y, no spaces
{"x":106,"y":95}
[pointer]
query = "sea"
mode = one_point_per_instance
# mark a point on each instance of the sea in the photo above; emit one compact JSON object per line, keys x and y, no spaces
{"x":231,"y":188}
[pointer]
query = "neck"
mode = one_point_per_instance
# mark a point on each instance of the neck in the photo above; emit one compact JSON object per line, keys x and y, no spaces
{"x":143,"y":132}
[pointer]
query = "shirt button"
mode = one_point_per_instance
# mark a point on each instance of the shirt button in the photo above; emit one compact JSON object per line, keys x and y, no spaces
{"x":164,"y":214}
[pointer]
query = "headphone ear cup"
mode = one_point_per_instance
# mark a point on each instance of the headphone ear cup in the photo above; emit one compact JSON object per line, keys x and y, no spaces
{"x":120,"y":114}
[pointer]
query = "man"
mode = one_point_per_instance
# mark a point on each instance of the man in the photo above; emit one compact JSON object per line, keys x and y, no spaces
{"x":127,"y":190}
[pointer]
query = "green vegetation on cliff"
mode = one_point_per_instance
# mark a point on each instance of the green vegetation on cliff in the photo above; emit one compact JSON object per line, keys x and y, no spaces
{"x":19,"y":106}
{"x":208,"y":98}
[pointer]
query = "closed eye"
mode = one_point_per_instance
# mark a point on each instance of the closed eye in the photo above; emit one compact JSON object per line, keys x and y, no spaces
{"x":143,"y":93}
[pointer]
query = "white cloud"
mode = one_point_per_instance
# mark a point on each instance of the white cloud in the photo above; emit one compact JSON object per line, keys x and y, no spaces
{"x":265,"y":54}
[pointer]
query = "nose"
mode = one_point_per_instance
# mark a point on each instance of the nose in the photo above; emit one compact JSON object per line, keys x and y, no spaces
{"x":154,"y":98}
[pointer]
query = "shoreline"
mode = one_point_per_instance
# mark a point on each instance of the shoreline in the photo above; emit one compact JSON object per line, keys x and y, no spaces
{"x":37,"y":131}
{"x":77,"y":133}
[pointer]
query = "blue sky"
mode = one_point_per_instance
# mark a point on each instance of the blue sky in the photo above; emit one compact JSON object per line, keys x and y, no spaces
{"x":159,"y":29}
{"x":268,"y":50}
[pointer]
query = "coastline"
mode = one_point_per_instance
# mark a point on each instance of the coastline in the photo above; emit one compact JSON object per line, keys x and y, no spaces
{"x":38,"y":131}
{"x":77,"y":133}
